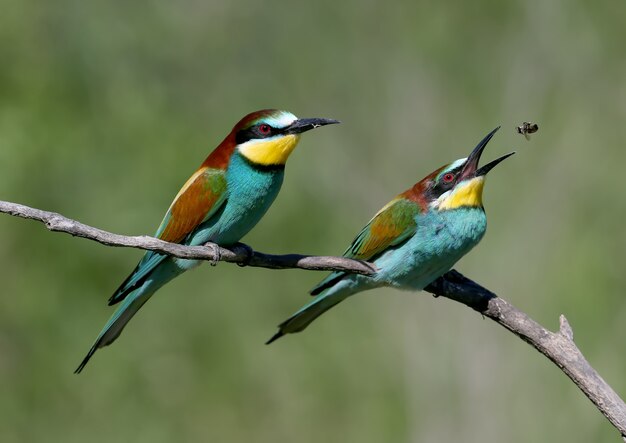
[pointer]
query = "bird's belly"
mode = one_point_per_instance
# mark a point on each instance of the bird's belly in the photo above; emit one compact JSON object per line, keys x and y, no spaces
{"x":438,"y":244}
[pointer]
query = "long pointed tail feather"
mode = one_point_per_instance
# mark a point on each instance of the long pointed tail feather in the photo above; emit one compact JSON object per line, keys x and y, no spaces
{"x":113,"y":328}
{"x":305,"y":316}
{"x":133,"y":301}
{"x":275,"y":337}
{"x":83,"y":363}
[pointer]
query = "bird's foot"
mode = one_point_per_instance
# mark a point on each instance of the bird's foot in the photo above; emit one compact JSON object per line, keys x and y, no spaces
{"x":247,"y":250}
{"x":217,"y":254}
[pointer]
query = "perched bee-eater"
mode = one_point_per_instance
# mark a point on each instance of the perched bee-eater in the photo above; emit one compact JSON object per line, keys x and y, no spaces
{"x":417,"y":237}
{"x":220,"y":203}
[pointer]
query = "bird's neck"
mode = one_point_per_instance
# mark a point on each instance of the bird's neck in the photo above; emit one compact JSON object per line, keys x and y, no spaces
{"x":463,"y":226}
{"x":219,"y":158}
{"x":465,"y":195}
{"x":239,"y":159}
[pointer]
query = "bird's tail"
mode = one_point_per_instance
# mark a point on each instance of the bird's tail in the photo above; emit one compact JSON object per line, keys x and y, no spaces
{"x":305,"y":316}
{"x":113,"y":328}
{"x":129,"y":307}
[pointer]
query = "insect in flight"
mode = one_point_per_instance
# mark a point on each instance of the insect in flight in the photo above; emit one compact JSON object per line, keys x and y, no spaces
{"x":527,"y":128}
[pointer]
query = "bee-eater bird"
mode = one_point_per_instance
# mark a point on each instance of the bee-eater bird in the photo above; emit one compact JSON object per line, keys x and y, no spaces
{"x":220,"y":203}
{"x":414,"y":239}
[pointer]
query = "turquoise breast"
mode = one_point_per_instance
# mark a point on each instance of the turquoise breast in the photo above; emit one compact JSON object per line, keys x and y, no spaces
{"x":251,"y":191}
{"x":442,"y":238}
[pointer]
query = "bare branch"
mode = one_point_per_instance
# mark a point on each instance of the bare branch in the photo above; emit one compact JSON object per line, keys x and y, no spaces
{"x":239,"y":254}
{"x":565,"y":329}
{"x":559,"y":347}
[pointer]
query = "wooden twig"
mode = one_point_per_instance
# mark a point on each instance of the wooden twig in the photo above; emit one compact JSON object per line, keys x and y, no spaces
{"x":240,"y":253}
{"x":559,"y":346}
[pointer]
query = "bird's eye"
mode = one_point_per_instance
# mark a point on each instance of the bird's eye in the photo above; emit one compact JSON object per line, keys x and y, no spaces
{"x":448,"y":178}
{"x":264,"y":129}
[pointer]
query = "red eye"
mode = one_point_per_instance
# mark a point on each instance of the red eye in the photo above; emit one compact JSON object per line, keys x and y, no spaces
{"x":264,"y":129}
{"x":447,"y":178}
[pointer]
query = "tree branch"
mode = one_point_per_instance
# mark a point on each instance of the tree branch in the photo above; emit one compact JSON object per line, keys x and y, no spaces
{"x":559,"y":346}
{"x":239,"y":253}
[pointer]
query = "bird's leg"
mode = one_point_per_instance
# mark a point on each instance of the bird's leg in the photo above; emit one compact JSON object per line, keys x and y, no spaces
{"x":217,"y":254}
{"x":248,"y":251}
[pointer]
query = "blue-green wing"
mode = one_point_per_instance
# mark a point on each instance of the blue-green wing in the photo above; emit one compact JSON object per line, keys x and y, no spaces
{"x":197,"y":201}
{"x":392,"y":225}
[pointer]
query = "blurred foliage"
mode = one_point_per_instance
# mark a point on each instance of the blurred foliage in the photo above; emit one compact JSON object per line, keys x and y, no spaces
{"x":107,"y":107}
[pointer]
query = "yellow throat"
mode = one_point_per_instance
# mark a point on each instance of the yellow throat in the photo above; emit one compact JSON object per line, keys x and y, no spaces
{"x":268,"y":152}
{"x":469,"y":194}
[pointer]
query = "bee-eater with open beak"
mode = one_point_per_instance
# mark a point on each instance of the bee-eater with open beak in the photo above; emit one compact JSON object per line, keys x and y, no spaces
{"x":220,"y":203}
{"x":417,"y":237}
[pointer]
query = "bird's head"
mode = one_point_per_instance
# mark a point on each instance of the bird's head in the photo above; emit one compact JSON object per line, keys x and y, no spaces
{"x":268,"y":137}
{"x":458,"y":184}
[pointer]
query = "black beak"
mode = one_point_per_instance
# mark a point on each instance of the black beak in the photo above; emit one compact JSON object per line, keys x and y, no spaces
{"x":471,"y":166}
{"x":306,"y":124}
{"x":489,"y":166}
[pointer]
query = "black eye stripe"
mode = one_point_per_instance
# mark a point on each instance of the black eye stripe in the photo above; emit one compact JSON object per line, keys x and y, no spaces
{"x":454,"y":171}
{"x":439,"y":186}
{"x":253,"y":132}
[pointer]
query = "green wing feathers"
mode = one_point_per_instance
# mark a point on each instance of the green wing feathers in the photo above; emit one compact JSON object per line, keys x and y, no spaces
{"x":196,"y":202}
{"x":392,"y":225}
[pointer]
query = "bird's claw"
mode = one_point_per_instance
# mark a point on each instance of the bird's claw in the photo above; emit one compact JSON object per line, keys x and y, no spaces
{"x":217,"y":254}
{"x":247,"y":250}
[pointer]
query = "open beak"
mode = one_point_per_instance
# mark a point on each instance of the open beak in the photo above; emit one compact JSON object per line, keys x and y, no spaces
{"x":489,"y":166}
{"x":306,"y":124}
{"x":471,"y":166}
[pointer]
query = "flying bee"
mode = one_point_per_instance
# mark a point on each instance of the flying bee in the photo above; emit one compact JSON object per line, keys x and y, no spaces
{"x":527,"y":128}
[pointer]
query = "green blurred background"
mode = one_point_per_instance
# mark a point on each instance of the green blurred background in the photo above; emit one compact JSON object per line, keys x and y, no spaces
{"x":107,"y":107}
